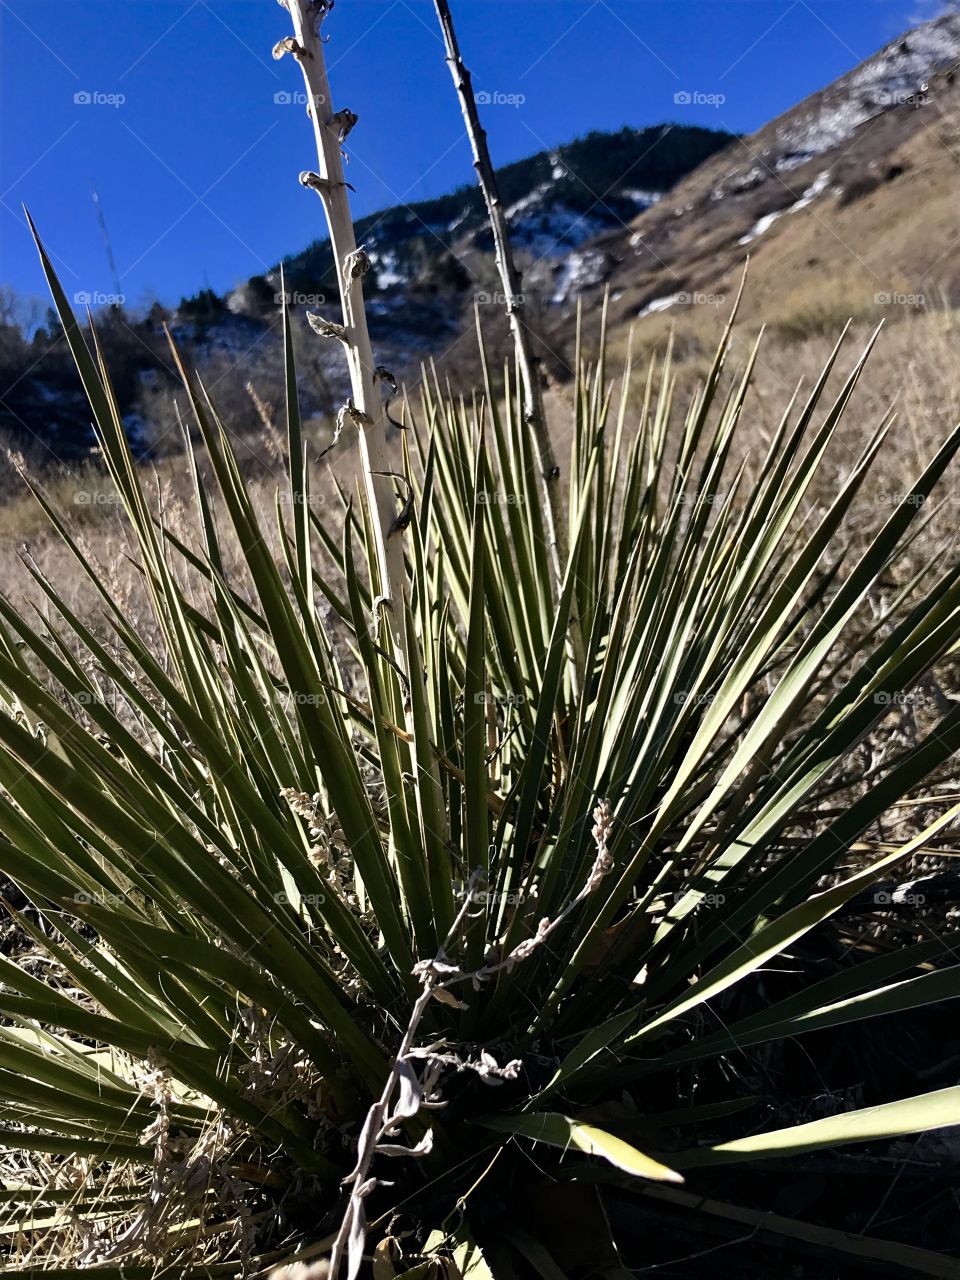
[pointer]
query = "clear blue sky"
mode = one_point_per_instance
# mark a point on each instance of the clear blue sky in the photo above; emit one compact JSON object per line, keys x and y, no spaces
{"x":196,"y":163}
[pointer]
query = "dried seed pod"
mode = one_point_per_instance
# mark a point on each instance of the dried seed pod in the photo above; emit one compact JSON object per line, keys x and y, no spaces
{"x":383,"y":374}
{"x":316,"y":183}
{"x":401,"y":520}
{"x":337,"y":431}
{"x":356,"y":416}
{"x":343,"y":121}
{"x":327,"y":328}
{"x":356,"y":264}
{"x":289,"y":45}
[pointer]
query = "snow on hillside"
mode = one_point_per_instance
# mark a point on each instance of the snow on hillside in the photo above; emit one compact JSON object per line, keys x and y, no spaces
{"x":545,"y":225}
{"x":766,"y":222}
{"x":582,"y":270}
{"x":554,"y":230}
{"x":661,"y":304}
{"x":894,"y":77}
{"x":386,"y":267}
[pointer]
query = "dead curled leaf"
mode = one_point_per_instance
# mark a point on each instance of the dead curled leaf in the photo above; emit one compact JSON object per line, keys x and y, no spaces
{"x":448,"y":998}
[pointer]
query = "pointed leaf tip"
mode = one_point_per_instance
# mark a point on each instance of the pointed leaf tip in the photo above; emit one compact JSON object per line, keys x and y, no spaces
{"x":557,"y":1130}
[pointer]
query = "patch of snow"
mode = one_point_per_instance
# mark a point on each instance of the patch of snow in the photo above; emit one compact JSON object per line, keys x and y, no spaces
{"x":582,"y":270}
{"x":237,"y":301}
{"x":642,"y":198}
{"x":816,"y":188}
{"x":386,"y":269}
{"x":661,"y":304}
{"x":820,"y":131}
{"x":542,"y":223}
{"x":377,"y":306}
{"x":894,"y":77}
{"x":760,"y":226}
{"x":530,"y":201}
{"x":552,"y":231}
{"x":737,"y":183}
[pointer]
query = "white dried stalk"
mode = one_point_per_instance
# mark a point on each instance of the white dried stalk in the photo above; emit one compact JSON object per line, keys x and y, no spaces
{"x":365,"y":408}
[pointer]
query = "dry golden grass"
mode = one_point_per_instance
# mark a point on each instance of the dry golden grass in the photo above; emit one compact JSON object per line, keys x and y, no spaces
{"x":914,"y":370}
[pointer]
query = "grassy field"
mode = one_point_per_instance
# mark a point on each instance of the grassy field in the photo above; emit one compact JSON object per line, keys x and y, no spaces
{"x":914,"y":374}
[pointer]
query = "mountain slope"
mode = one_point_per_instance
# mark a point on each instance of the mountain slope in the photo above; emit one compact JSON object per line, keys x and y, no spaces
{"x":847,"y":203}
{"x":554,"y":200}
{"x":431,"y":260}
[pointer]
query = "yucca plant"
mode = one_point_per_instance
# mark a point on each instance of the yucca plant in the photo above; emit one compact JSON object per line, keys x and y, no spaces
{"x":312,"y":886}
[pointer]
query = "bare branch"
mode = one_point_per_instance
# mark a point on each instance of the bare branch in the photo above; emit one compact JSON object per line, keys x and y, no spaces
{"x":365,"y":410}
{"x":515,"y":302}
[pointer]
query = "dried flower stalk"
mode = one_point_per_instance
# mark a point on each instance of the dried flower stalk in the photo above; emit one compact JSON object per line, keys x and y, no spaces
{"x":365,"y":408}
